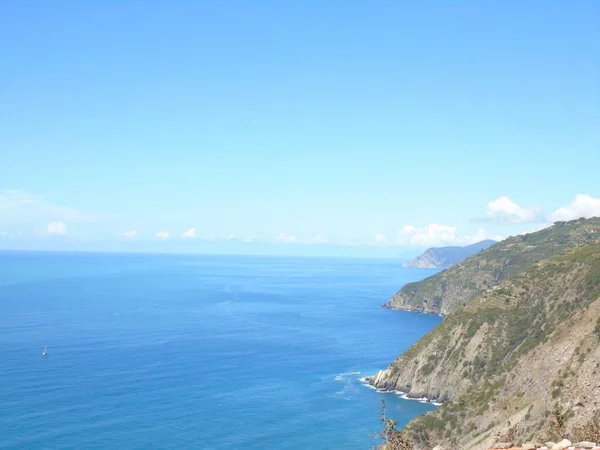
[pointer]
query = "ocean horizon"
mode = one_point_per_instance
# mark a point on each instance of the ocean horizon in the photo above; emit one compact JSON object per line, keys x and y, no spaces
{"x":199,"y":351}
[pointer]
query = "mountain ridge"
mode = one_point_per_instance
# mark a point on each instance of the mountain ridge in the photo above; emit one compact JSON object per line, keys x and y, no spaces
{"x":461,"y":283}
{"x":444,"y":257}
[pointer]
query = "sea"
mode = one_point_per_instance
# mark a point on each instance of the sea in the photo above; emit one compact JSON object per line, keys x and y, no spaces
{"x":148,"y":351}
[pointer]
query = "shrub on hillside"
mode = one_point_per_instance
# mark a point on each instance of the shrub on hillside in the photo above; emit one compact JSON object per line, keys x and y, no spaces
{"x":392,"y":438}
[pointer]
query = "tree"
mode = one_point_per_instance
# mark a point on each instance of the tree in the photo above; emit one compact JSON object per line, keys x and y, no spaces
{"x":392,"y":437}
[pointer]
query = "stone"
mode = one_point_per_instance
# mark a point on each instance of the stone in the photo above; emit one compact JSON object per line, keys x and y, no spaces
{"x":584,"y":444}
{"x":549,"y":444}
{"x":562,"y":445}
{"x":528,"y":446}
{"x":504,"y":445}
{"x":438,"y":447}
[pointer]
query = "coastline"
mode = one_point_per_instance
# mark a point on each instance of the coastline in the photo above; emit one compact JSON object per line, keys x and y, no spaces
{"x":419,"y":310}
{"x":366,"y":381}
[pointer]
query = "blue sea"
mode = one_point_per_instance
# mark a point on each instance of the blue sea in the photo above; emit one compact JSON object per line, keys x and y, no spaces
{"x":212,"y":352}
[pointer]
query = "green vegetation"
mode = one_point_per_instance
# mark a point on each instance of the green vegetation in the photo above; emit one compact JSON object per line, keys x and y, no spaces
{"x":463,"y":282}
{"x":520,"y":318}
{"x":484,"y":342}
{"x":390,"y":436}
{"x":450,"y":420}
{"x":557,"y":386}
{"x":557,"y":427}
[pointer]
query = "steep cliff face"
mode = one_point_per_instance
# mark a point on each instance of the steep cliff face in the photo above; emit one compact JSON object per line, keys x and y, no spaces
{"x":444,"y":257}
{"x":463,"y":282}
{"x":509,"y":360}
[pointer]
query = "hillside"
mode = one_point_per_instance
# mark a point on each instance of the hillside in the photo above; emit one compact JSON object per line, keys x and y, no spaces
{"x":519,"y":363}
{"x":444,"y":257}
{"x":461,"y":283}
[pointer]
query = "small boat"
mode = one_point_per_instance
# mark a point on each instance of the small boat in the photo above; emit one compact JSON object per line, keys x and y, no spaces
{"x":45,"y":352}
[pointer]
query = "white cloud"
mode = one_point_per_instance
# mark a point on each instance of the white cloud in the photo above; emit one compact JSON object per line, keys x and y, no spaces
{"x":57,"y":228}
{"x":498,"y":238}
{"x":583,"y":206}
{"x":130,"y":234}
{"x":163,"y":235}
{"x":19,"y":206}
{"x":505,"y":210}
{"x":3,"y":234}
{"x":380,"y":238}
{"x":282,"y":237}
{"x":479,"y":236}
{"x":191,"y":233}
{"x":434,"y":235}
{"x":234,"y":237}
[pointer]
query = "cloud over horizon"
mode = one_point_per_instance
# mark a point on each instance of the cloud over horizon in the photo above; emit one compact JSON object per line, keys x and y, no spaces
{"x":129,"y":234}
{"x":583,"y":206}
{"x":19,"y":205}
{"x":57,"y":228}
{"x":432,"y":234}
{"x":24,"y":216}
{"x":190,"y":233}
{"x":505,"y":210}
{"x":380,"y":238}
{"x":282,"y":237}
{"x":435,"y":234}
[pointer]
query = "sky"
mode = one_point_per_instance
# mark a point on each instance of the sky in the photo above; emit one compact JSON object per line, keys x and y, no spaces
{"x":327,"y":128}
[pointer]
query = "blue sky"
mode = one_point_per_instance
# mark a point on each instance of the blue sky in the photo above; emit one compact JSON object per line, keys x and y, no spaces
{"x":368,"y":128}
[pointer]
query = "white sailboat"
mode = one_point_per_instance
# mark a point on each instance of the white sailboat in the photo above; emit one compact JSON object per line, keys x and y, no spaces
{"x":45,"y":352}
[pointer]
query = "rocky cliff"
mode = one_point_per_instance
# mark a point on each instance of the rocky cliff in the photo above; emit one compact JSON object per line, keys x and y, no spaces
{"x":463,"y":282}
{"x":444,"y":257}
{"x":520,"y":362}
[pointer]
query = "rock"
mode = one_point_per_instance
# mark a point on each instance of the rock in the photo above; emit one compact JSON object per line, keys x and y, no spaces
{"x":438,"y":447}
{"x":584,"y":444}
{"x":504,"y":445}
{"x":562,"y":445}
{"x":549,"y":444}
{"x":528,"y":446}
